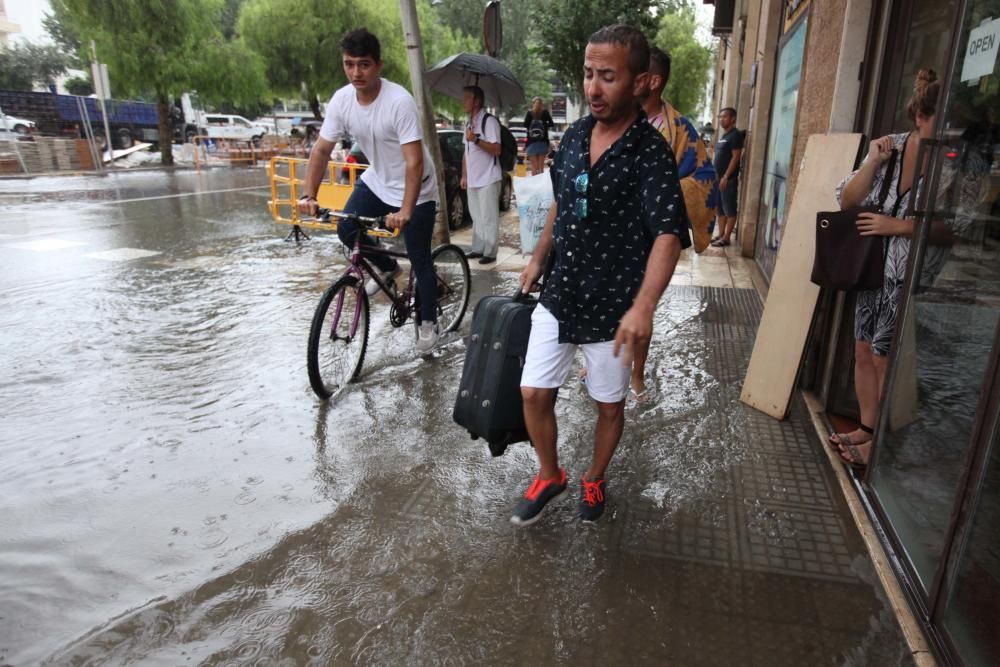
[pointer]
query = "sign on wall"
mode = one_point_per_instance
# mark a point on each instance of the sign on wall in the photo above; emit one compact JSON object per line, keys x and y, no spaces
{"x":981,"y":51}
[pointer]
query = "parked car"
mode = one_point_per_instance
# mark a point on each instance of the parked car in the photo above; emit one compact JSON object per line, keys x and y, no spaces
{"x":13,"y":124}
{"x":458,"y":203}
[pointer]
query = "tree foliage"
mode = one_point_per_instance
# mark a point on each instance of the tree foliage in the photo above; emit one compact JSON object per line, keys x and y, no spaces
{"x":79,"y":85}
{"x":691,"y":61}
{"x":25,"y":65}
{"x":299,"y":41}
{"x":165,"y":47}
{"x":564,"y":27}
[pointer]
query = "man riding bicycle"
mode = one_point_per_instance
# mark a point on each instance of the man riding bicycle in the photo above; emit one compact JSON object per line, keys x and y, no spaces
{"x":381,"y":116}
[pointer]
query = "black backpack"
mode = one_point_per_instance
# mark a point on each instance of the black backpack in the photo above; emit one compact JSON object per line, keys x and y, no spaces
{"x":536,"y":131}
{"x":508,"y":144}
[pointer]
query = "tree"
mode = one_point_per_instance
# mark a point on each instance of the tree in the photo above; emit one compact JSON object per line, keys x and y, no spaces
{"x":22,"y":66}
{"x":79,"y":85}
{"x":690,"y":61}
{"x":309,"y":63}
{"x":297,"y":40}
{"x":565,"y":26}
{"x":166,"y":47}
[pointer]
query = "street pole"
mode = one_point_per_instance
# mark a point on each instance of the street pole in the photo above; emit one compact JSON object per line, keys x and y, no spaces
{"x":415,"y":57}
{"x":17,"y":149}
{"x":103,"y":89}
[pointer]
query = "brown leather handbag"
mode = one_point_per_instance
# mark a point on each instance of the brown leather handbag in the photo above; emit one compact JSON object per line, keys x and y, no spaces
{"x":844,"y":259}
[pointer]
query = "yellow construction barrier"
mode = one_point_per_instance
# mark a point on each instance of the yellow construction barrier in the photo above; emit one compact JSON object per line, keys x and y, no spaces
{"x":287,"y":175}
{"x":222,"y":151}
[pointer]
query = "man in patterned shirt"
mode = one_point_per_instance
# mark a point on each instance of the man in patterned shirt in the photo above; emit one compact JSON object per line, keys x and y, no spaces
{"x":614,"y":232}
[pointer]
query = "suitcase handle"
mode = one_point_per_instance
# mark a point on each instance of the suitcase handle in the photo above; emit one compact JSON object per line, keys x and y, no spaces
{"x":521,"y":296}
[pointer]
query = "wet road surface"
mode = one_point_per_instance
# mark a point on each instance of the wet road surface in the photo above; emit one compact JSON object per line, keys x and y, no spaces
{"x":171,"y":492}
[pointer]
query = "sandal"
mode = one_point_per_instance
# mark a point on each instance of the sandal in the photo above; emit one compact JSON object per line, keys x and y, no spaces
{"x":639,"y":396}
{"x":856,"y":460}
{"x":845,"y":438}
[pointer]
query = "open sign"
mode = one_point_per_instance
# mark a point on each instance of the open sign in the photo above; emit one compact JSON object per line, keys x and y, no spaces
{"x":981,"y":51}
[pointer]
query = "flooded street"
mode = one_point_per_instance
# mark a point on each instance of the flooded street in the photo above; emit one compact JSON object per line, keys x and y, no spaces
{"x":172,"y":492}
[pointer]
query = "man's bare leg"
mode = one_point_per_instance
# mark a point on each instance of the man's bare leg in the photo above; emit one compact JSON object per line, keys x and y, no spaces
{"x":540,"y":419}
{"x":607,"y":434}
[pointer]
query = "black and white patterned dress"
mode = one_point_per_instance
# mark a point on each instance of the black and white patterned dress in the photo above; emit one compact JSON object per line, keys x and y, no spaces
{"x":963,"y":187}
{"x":875,"y":312}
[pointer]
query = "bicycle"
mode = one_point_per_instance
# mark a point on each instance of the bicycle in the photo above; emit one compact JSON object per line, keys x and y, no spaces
{"x":338,"y":339}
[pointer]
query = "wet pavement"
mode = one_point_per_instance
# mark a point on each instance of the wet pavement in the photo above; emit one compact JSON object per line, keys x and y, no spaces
{"x":171,"y":492}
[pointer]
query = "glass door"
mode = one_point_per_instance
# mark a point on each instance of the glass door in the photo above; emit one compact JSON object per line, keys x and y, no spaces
{"x":935,"y":446}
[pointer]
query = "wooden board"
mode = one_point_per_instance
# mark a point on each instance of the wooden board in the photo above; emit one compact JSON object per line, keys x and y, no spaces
{"x":791,"y":299}
{"x":120,"y":153}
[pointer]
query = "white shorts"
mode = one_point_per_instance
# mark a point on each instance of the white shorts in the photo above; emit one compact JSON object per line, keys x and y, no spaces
{"x":549,"y":362}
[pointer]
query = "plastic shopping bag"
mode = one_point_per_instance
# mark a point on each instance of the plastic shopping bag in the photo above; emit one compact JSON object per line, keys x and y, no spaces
{"x":534,"y":197}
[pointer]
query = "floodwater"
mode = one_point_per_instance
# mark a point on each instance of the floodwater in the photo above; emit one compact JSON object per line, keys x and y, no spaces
{"x":171,"y":492}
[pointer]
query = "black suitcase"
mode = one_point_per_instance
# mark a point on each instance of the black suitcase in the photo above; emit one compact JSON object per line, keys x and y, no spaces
{"x":489,"y":398}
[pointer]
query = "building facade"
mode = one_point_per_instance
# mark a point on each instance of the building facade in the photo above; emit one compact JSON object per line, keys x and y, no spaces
{"x":794,"y":68}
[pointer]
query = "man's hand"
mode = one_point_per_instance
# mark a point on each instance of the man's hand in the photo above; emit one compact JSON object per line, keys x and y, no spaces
{"x":470,"y":136}
{"x":876,"y":224}
{"x":530,"y":275}
{"x":464,"y":183}
{"x":723,"y":183}
{"x":397,"y":220}
{"x":636,"y":329}
{"x":308,"y":206}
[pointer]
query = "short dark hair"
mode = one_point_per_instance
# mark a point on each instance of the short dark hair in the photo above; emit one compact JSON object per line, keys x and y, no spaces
{"x":729,"y":109}
{"x":361,"y":43}
{"x":629,"y":37}
{"x":477,"y":92}
{"x":659,"y":63}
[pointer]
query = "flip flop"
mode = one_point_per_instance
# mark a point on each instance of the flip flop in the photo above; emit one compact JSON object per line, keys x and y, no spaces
{"x":845,"y":438}
{"x":640,"y":396}
{"x":855,"y":461}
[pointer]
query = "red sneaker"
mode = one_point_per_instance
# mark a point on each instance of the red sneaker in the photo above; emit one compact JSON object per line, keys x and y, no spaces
{"x":529,"y":508}
{"x":592,"y":497}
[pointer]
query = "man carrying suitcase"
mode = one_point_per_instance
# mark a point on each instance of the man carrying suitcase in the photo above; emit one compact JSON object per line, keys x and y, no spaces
{"x":615,"y":232}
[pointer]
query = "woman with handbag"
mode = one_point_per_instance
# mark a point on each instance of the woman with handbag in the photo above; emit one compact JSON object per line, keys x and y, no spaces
{"x":875,"y":311}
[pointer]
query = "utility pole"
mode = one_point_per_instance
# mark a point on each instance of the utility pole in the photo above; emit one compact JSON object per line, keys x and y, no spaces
{"x":102,"y":86}
{"x":415,"y":58}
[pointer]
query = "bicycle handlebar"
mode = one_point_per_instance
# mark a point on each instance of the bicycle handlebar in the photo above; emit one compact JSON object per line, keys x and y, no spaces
{"x":325,"y":214}
{"x":371,"y":226}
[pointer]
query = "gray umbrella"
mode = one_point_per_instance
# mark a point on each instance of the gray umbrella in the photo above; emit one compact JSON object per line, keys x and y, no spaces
{"x":501,"y":87}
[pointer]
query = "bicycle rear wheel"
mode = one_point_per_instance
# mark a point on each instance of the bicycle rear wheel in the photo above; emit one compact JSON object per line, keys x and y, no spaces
{"x":338,"y":337}
{"x":453,"y":286}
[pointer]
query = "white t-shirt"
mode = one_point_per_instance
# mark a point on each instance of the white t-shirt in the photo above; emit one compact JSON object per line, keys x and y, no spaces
{"x":481,"y":168}
{"x":380,"y":128}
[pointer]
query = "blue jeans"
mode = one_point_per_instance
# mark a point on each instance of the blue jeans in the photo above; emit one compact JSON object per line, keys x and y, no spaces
{"x":416,"y":236}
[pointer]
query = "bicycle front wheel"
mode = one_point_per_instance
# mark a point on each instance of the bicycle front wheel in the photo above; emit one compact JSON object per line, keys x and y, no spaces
{"x":453,"y":286}
{"x":338,"y":337}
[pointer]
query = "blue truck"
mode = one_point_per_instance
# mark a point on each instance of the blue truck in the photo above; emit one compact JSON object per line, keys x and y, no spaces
{"x":60,"y":115}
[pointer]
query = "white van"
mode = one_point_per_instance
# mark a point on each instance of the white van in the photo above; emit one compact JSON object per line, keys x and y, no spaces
{"x":228,"y":126}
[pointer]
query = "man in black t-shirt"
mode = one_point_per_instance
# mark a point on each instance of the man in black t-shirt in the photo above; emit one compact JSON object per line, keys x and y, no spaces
{"x":728,"y":151}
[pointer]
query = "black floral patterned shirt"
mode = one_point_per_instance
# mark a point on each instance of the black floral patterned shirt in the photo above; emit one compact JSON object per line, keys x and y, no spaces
{"x":632,"y":195}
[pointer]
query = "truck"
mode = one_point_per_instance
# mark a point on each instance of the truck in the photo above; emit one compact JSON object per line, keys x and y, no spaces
{"x":129,"y":120}
{"x":54,"y":114}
